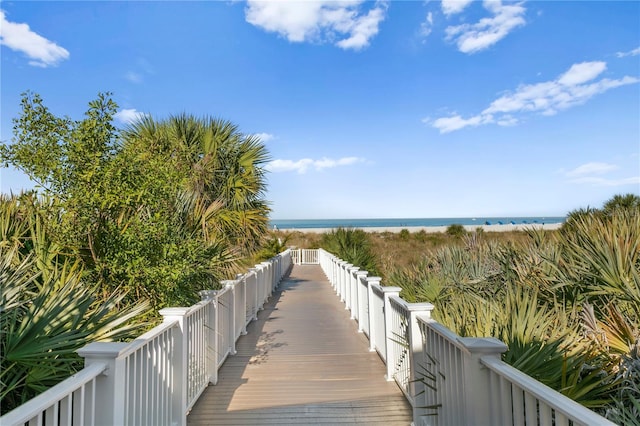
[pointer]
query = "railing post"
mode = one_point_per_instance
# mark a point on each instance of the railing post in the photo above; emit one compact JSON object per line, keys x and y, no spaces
{"x":388,"y":326}
{"x":350,"y":274}
{"x":110,"y":386}
{"x":212,"y":334}
{"x":416,"y":386}
{"x":360,"y":275}
{"x":180,"y":365}
{"x":254,"y":301}
{"x":231,"y":285}
{"x":477,"y":401}
{"x":373,"y":334}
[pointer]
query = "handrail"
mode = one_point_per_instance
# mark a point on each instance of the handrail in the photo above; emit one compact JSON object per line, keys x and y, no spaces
{"x":448,"y":379}
{"x":559,"y":403}
{"x":143,"y":339}
{"x":34,"y":408}
{"x":157,"y":378}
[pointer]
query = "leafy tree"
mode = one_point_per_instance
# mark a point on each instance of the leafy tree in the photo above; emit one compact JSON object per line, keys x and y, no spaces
{"x":162,"y":209}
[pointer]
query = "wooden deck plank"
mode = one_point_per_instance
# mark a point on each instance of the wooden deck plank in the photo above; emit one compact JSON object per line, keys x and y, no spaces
{"x":302,"y":362}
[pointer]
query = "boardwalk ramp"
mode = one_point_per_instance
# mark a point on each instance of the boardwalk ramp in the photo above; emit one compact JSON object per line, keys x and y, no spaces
{"x":302,"y":362}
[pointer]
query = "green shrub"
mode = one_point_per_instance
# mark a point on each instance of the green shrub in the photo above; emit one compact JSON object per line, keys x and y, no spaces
{"x":456,"y":230}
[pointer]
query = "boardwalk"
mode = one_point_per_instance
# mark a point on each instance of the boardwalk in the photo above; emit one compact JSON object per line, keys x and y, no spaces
{"x":302,"y":362}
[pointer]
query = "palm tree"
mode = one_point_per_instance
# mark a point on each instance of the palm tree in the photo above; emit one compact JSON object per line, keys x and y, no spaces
{"x":222,"y":167}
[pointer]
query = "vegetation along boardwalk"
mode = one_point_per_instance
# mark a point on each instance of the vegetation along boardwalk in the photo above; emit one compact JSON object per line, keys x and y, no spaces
{"x":302,"y":362}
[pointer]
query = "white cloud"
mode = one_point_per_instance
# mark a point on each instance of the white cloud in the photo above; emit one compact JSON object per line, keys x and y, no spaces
{"x":456,"y":122}
{"x":451,"y":7}
{"x":582,"y":72}
{"x":634,"y":52}
{"x":592,"y":169}
{"x":574,"y":87}
{"x":19,"y":37}
{"x":301,"y":166}
{"x":264,"y":137}
{"x":427,"y":26}
{"x":471,"y":38}
{"x":133,"y":77}
{"x":600,"y":181}
{"x":127,"y":116}
{"x":338,"y":22}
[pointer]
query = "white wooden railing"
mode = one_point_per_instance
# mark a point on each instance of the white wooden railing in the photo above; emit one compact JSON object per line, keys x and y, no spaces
{"x":157,"y":378}
{"x":448,"y":379}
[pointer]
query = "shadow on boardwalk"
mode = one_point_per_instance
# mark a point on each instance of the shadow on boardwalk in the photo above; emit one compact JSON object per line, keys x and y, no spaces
{"x":302,"y":362}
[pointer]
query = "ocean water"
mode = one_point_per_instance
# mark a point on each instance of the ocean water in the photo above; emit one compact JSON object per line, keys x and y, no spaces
{"x":387,"y":223}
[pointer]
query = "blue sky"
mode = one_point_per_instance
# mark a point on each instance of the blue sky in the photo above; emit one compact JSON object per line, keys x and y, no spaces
{"x":369,"y":109}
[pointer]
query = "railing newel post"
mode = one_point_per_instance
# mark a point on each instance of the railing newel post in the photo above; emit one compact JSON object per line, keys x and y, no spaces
{"x":388,"y":327}
{"x":181,"y":364}
{"x":477,"y":401}
{"x":360,"y":277}
{"x":110,"y":386}
{"x":373,"y":332}
{"x":212,"y":335}
{"x":351,"y":270}
{"x":417,"y":312}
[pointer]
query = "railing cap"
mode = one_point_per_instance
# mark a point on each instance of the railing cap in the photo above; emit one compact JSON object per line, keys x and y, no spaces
{"x":483,"y":345}
{"x":424,"y":306}
{"x":374,"y":279}
{"x":391,"y":289}
{"x":102,"y":349}
{"x":173,"y":312}
{"x":207,"y":294}
{"x":228,"y":283}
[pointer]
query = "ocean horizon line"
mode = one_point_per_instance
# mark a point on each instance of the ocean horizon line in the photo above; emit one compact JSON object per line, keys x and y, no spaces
{"x":412,"y":222}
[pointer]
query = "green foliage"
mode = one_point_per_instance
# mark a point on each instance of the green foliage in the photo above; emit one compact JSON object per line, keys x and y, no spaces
{"x":272,"y":246}
{"x":456,"y":230}
{"x":353,"y":246}
{"x":154,"y":213}
{"x":404,"y":234}
{"x":162,"y":209}
{"x":47,"y":308}
{"x":566,"y":304}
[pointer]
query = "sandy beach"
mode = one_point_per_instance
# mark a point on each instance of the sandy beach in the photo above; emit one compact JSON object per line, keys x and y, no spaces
{"x":430,"y":229}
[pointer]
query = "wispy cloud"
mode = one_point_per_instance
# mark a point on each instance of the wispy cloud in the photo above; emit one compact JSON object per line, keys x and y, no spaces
{"x":471,"y":38}
{"x":634,"y":52}
{"x":451,"y":7}
{"x":126,"y":116}
{"x":592,"y":169}
{"x":19,"y":37}
{"x":343,"y":23}
{"x":264,"y":137}
{"x":594,"y":174}
{"x":574,"y":87}
{"x":427,"y":26}
{"x":303,"y":165}
{"x":133,"y":77}
{"x":600,"y":181}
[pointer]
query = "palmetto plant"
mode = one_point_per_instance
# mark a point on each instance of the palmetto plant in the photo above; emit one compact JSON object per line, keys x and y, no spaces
{"x":47,"y":310}
{"x":353,"y":246}
{"x":566,"y":305}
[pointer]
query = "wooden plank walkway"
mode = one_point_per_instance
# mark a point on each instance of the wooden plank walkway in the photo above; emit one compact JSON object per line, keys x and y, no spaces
{"x":302,"y":362}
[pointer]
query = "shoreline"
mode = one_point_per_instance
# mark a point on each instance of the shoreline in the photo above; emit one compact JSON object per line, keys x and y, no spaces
{"x":434,"y":229}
